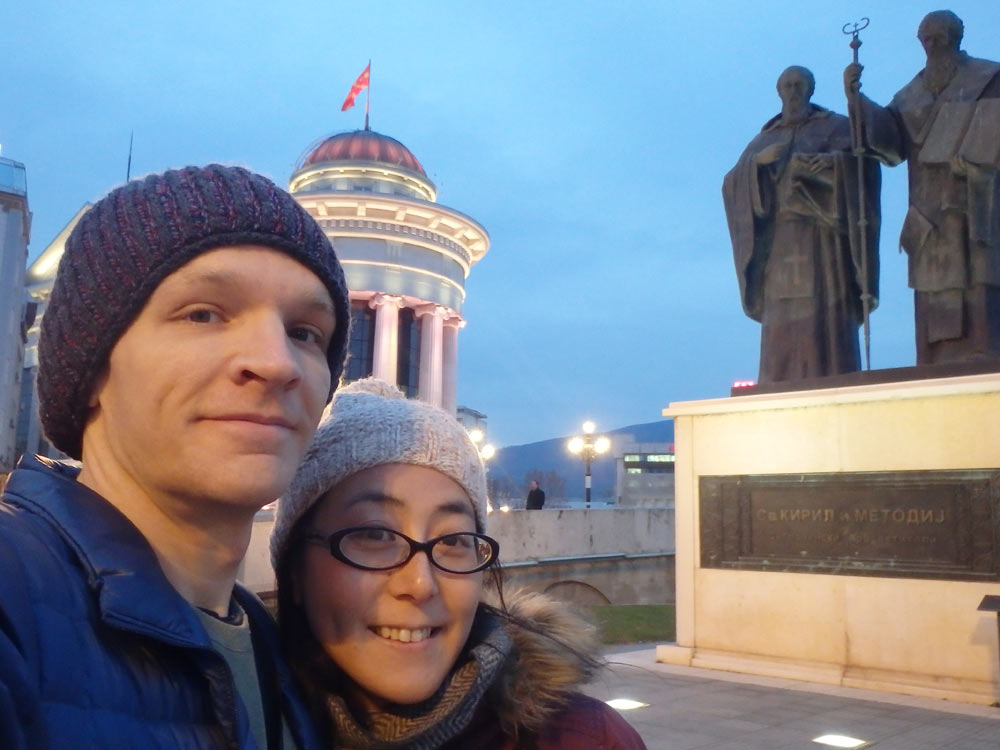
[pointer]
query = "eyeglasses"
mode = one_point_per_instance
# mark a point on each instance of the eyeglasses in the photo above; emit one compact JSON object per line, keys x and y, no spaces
{"x":378,"y":548}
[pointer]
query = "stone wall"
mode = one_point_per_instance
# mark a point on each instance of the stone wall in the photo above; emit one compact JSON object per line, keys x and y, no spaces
{"x":647,"y":579}
{"x":590,"y":557}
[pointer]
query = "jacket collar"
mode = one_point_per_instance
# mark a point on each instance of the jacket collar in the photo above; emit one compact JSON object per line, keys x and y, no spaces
{"x":128,"y":584}
{"x":120,"y":566}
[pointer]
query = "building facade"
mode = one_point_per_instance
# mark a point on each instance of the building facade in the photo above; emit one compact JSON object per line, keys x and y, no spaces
{"x":15,"y":230}
{"x":471,"y":419}
{"x":38,"y":281}
{"x":406,"y":258}
{"x":644,"y":475}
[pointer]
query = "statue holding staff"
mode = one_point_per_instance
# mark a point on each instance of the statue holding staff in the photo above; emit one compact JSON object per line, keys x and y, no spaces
{"x":945,"y":124}
{"x":792,"y":202}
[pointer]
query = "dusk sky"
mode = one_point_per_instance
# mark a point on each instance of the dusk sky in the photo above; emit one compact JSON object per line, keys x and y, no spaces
{"x":589,"y":138}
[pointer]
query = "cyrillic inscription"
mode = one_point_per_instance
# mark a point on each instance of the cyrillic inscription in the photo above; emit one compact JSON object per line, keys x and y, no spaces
{"x":934,"y":524}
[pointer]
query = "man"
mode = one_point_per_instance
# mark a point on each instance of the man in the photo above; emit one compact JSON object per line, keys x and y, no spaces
{"x":197,"y":327}
{"x":792,"y":203}
{"x":536,"y":497}
{"x":944,"y":124}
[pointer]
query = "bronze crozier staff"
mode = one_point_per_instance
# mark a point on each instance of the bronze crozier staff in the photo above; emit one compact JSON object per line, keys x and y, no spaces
{"x":857,"y":139}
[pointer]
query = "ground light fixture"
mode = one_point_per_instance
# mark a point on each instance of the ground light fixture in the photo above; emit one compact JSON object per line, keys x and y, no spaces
{"x":626,"y":704}
{"x":840,"y":740}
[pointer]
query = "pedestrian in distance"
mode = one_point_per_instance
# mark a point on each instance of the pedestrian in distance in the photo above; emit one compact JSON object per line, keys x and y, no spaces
{"x":536,"y":497}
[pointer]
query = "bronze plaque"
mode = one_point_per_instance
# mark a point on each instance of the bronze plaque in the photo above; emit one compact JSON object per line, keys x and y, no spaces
{"x":915,"y":524}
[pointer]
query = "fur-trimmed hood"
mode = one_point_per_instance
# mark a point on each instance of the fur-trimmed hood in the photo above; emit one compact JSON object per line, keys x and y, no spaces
{"x":555,"y":653}
{"x":517,"y":686}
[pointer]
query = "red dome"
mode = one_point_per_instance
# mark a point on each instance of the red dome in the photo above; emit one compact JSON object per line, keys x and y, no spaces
{"x":363,"y":145}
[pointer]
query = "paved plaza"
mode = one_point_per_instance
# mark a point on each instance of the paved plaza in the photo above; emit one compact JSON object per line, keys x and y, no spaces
{"x":700,"y":709}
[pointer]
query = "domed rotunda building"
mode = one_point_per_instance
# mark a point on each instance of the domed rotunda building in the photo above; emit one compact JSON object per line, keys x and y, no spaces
{"x":406,"y":258}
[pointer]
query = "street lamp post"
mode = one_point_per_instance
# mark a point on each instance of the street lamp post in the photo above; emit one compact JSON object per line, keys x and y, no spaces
{"x":486,"y":452}
{"x":589,"y":447}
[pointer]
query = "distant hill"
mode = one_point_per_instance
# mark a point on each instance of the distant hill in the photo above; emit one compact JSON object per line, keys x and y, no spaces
{"x":508,"y":468}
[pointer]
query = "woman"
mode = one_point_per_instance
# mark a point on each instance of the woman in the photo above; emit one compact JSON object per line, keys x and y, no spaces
{"x":382,"y":561}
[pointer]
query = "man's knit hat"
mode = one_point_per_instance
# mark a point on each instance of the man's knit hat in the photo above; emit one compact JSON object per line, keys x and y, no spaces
{"x":370,"y":423}
{"x":131,"y":240}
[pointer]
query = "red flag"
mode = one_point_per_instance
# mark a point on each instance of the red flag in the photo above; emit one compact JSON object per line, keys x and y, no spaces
{"x":359,"y":85}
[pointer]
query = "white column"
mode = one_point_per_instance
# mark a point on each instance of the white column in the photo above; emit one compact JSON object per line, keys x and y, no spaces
{"x":32,"y":442}
{"x":384,"y":358}
{"x":449,"y":363}
{"x":431,"y":335}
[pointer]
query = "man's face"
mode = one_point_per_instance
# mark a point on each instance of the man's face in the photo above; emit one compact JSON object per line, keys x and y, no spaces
{"x":793,"y":88}
{"x":935,"y":38}
{"x":214,"y":391}
{"x":534,"y":484}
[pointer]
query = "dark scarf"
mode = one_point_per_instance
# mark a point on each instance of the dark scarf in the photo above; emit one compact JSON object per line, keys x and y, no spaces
{"x":443,"y":716}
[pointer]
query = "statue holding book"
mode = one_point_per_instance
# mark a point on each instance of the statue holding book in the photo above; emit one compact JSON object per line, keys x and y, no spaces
{"x":805,"y":262}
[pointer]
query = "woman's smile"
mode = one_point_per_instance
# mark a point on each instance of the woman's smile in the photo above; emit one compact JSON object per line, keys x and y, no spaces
{"x":404,"y":635}
{"x":366,"y":619}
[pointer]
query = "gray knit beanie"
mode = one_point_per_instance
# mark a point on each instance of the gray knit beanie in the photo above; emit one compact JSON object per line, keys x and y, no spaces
{"x":370,"y":423}
{"x":135,"y":237}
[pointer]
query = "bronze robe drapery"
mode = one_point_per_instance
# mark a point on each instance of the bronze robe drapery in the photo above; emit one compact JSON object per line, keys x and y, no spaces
{"x":951,"y":234}
{"x":797,"y":246}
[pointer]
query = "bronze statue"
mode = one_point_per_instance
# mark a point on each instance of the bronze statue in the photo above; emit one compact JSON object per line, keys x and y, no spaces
{"x":946,"y":124}
{"x":793,"y":206}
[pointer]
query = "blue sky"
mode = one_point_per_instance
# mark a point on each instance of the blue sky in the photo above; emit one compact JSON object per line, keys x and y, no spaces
{"x":590,"y":139}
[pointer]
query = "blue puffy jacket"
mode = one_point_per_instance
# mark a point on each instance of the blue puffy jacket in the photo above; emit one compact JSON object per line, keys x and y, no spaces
{"x":97,"y":649}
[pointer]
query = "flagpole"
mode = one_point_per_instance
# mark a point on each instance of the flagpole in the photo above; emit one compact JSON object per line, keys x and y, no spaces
{"x":368,"y":93}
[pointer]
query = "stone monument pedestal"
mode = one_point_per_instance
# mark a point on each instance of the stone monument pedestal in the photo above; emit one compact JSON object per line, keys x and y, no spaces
{"x":843,"y":536}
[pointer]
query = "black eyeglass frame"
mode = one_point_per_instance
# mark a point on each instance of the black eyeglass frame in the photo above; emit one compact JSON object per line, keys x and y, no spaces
{"x":332,"y":544}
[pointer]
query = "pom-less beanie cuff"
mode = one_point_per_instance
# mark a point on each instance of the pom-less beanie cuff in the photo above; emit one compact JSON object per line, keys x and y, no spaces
{"x":136,"y":236}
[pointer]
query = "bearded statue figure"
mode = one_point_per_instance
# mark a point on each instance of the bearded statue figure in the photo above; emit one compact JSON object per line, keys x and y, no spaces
{"x":945,"y":124}
{"x":793,"y":205}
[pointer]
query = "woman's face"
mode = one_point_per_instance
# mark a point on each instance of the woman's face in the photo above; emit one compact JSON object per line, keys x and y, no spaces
{"x":396,"y":633}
